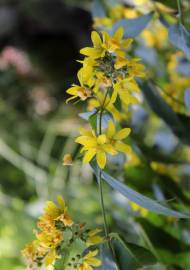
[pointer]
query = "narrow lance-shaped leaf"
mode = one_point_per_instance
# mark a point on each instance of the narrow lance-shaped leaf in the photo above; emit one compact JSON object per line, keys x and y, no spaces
{"x":98,"y":8}
{"x":133,"y":27}
{"x":129,"y":255}
{"x":187,"y":98}
{"x":136,"y":197}
{"x":180,"y":38}
{"x":164,"y":111}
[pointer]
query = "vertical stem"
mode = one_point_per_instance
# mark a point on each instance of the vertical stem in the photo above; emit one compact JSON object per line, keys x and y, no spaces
{"x":99,"y":178}
{"x":180,"y":11}
{"x":102,"y":203}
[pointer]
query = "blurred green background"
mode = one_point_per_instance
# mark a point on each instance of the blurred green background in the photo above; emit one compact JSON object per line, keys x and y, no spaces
{"x":39,"y":43}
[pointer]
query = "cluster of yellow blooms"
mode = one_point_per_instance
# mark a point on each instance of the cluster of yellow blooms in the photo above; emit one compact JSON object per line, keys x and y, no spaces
{"x":60,"y":240}
{"x":175,"y":98}
{"x":106,"y":77}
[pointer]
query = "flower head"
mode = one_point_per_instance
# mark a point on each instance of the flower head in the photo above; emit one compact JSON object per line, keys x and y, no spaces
{"x":115,"y":138}
{"x":95,"y":145}
{"x":93,"y":237}
{"x":57,"y":212}
{"x":82,"y":91}
{"x":106,"y":43}
{"x":89,"y":261}
{"x":67,"y":160}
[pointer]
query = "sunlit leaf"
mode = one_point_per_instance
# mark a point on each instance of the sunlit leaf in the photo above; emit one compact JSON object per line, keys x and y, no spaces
{"x":138,"y":198}
{"x":129,"y":255}
{"x":187,"y":98}
{"x":180,"y":38}
{"x":164,"y":111}
{"x":133,"y":27}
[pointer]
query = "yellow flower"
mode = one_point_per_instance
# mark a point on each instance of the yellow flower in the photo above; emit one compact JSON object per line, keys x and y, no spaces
{"x":105,"y":44}
{"x":94,"y":238}
{"x":100,"y":101}
{"x":30,"y":253}
{"x":102,"y":82}
{"x":137,"y":208}
{"x":67,"y":160}
{"x":95,"y":146}
{"x":57,"y":212}
{"x":79,"y":91}
{"x":151,"y":37}
{"x":115,"y":138}
{"x":126,"y":90}
{"x":89,"y":261}
{"x":87,"y":71}
{"x":48,"y":241}
{"x":102,"y":21}
{"x":135,"y":69}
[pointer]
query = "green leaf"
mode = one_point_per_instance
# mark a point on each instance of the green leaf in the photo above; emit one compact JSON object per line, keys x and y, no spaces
{"x":187,"y":98}
{"x":180,"y":38}
{"x":86,"y":115}
{"x":164,"y":111}
{"x":99,"y":8}
{"x":93,"y":121}
{"x":136,"y":197}
{"x":106,"y":258}
{"x":131,"y":256}
{"x":133,"y":27}
{"x":170,"y":3}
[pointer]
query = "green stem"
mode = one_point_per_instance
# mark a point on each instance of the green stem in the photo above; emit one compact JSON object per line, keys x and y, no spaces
{"x":180,"y":11}
{"x":99,"y":178}
{"x":102,"y":203}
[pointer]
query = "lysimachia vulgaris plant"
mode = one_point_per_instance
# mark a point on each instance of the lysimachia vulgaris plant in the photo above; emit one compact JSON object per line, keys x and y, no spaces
{"x":62,"y":242}
{"x":108,"y":83}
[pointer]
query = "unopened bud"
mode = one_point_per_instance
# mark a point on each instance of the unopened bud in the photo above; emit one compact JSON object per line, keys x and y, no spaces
{"x":67,"y":160}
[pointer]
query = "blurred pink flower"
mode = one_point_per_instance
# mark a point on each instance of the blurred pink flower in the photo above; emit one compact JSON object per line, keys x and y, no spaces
{"x":11,"y":56}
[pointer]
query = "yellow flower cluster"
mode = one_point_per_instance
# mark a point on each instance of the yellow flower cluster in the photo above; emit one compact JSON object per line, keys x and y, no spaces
{"x":58,"y":235}
{"x":107,"y":77}
{"x":115,"y":13}
{"x":98,"y":145}
{"x":174,"y":89}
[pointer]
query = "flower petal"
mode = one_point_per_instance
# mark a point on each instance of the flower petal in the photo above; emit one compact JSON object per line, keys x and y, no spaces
{"x":122,"y":134}
{"x":101,"y":159}
{"x":108,"y":148}
{"x":110,"y":129}
{"x":119,"y":34}
{"x":101,"y":139}
{"x":96,"y":40}
{"x":89,"y":155}
{"x":122,"y":147}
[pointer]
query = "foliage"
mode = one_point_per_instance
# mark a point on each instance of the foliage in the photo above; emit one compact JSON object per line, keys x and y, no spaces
{"x":132,"y":102}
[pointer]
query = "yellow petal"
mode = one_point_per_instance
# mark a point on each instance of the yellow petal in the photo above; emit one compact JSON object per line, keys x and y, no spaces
{"x":113,"y":96}
{"x":119,"y":34}
{"x":96,"y":40}
{"x":94,"y":262}
{"x":110,"y":129}
{"x":86,"y":141}
{"x":126,"y":43}
{"x":122,"y":147}
{"x":61,"y":202}
{"x":122,"y":134}
{"x":101,"y":139}
{"x":50,"y":257}
{"x":89,"y":155}
{"x":90,"y":254}
{"x":92,"y":52}
{"x":101,"y":159}
{"x":73,"y":90}
{"x":69,"y":99}
{"x":108,"y":148}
